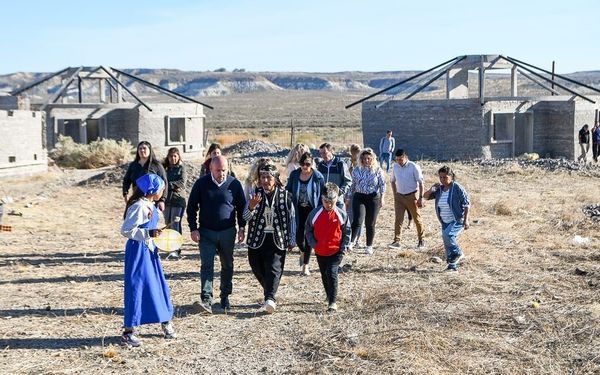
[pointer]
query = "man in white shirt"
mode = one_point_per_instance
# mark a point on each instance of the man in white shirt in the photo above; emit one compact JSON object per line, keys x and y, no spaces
{"x":407,"y":185}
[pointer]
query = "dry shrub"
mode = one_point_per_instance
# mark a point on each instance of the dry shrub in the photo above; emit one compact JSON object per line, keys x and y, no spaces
{"x":502,"y":208}
{"x":97,"y":154}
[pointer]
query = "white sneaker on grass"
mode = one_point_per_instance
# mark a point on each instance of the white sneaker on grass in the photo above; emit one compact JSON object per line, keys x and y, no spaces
{"x":369,"y":250}
{"x":270,"y":306}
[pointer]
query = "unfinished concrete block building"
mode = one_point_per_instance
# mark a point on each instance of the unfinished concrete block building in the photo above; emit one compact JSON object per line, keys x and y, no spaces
{"x":459,"y":126}
{"x":100,"y":103}
{"x":23,"y":141}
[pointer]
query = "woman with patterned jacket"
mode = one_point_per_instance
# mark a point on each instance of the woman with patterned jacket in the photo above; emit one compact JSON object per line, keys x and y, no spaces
{"x":271,"y":232}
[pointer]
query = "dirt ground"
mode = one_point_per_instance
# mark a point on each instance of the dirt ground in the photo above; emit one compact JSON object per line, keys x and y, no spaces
{"x":527,"y":299}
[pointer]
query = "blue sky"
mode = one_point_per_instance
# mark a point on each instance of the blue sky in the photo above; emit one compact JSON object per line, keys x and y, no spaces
{"x":307,"y":35}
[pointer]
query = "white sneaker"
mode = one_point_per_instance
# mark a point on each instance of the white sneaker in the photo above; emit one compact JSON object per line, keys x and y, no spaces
{"x":350,"y":247}
{"x":270,"y":306}
{"x":369,"y":250}
{"x":332,"y":307}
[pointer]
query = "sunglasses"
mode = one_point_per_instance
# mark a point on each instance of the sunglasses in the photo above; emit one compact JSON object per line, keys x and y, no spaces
{"x":306,"y":164}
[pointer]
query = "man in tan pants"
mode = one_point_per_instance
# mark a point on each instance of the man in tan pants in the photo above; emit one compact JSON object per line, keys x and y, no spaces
{"x":407,"y":185}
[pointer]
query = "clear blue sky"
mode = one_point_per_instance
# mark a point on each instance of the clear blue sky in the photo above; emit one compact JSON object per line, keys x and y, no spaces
{"x":306,"y":35}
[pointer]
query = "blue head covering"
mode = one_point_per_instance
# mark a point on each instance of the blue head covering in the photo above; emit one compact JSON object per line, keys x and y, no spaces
{"x":150,"y":183}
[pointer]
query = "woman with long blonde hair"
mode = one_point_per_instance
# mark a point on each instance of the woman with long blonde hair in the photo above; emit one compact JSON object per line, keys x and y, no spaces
{"x":368,"y":187}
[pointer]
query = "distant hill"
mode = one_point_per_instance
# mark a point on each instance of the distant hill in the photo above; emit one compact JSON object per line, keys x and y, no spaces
{"x":223,"y":83}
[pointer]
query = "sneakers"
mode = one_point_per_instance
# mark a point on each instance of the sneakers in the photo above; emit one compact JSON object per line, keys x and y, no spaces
{"x":225,"y":305}
{"x":130,"y":339}
{"x":176,"y":255}
{"x":168,"y":330}
{"x":457,"y":259}
{"x":369,"y":250}
{"x":270,"y":306}
{"x":350,"y":247}
{"x":332,"y":307}
{"x":451,"y":268}
{"x":204,"y":307}
{"x":421,"y":244}
{"x":305,"y":270}
{"x":395,"y":245}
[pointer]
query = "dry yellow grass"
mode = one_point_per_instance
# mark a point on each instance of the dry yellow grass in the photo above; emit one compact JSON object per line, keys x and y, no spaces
{"x":517,"y":306}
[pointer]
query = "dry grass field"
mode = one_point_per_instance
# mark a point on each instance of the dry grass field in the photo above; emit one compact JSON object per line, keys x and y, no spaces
{"x":526,"y":301}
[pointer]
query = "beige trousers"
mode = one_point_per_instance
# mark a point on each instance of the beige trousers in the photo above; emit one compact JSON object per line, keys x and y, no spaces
{"x":401,"y":204}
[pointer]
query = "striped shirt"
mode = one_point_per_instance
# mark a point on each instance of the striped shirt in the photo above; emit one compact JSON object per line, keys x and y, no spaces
{"x":445,"y":210}
{"x":368,"y":181}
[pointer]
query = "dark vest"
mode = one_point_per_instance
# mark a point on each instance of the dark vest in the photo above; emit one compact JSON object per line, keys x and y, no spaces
{"x":280,"y":221}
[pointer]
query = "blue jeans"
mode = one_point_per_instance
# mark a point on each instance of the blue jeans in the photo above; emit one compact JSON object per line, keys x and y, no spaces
{"x":211,"y":243}
{"x":450,"y":232}
{"x":170,"y":213}
{"x":387,"y":158}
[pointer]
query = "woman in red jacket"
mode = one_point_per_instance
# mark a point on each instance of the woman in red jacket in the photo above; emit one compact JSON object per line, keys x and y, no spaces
{"x":328,"y":232}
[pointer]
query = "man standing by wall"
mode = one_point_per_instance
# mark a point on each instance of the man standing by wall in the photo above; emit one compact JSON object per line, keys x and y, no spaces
{"x":387,"y":145}
{"x":584,"y":142}
{"x":334,"y":170}
{"x":596,"y":141}
{"x":214,"y":202}
{"x":407,"y":185}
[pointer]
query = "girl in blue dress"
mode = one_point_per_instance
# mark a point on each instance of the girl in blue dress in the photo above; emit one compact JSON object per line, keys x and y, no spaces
{"x":147,"y":298}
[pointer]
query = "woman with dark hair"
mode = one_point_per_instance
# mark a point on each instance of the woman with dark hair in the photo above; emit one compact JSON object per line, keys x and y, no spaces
{"x":214,"y":150}
{"x":452,"y":209}
{"x":145,"y":162}
{"x":271,"y":232}
{"x":306,"y":185}
{"x":175,"y":202}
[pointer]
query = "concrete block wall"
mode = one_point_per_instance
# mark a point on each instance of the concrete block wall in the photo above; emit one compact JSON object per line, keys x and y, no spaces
{"x":553,"y":128}
{"x":436,"y":129}
{"x":153,"y":127}
{"x":22,"y":139}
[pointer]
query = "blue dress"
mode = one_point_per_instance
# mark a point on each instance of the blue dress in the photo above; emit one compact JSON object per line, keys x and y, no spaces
{"x":147,"y":298}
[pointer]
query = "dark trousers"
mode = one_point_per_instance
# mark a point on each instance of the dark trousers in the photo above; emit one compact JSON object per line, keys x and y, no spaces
{"x":300,"y":236}
{"x":596,"y":150}
{"x":365,"y":208}
{"x":211,"y":243}
{"x":329,"y":265}
{"x":267,"y":264}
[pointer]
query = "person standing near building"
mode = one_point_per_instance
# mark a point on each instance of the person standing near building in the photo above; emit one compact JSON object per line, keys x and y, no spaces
{"x":145,"y":162}
{"x":584,"y":142}
{"x":213,"y":205}
{"x":387,"y":145}
{"x":334,"y":170}
{"x":175,"y":202}
{"x":407,"y":185}
{"x":596,"y":141}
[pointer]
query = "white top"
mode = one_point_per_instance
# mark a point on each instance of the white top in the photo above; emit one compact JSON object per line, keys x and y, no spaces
{"x":406,"y":178}
{"x":445,"y":210}
{"x":137,"y":214}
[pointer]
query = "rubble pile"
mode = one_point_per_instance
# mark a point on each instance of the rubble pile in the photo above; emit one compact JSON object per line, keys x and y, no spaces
{"x":550,"y":165}
{"x":246,"y":152}
{"x":592,"y":211}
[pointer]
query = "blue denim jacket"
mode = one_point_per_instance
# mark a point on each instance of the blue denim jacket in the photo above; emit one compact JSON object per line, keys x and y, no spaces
{"x":315,"y":188}
{"x":457,"y":199}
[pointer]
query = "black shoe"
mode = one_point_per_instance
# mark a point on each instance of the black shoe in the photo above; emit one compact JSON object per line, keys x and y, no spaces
{"x":225,"y":305}
{"x":421,"y":244}
{"x":202,"y":307}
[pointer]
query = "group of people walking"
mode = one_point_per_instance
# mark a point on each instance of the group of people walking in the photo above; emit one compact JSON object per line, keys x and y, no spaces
{"x":323,"y":207}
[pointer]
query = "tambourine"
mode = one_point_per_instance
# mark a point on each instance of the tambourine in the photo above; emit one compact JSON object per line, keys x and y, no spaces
{"x":168,"y":240}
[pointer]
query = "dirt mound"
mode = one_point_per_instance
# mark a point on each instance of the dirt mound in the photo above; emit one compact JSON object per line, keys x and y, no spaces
{"x":550,"y":165}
